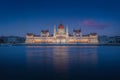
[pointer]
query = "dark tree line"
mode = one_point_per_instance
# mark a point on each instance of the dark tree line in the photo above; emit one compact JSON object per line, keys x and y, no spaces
{"x":1,"y":41}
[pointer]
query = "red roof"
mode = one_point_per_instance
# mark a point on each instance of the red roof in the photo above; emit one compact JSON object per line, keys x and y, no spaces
{"x":60,"y":26}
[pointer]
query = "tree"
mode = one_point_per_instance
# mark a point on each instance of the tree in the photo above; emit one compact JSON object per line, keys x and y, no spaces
{"x":1,"y":41}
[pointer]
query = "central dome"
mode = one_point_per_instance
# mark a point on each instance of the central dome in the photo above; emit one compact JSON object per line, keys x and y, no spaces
{"x":61,"y":26}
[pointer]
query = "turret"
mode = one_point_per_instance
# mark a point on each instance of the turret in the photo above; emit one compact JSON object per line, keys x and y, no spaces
{"x":29,"y":38}
{"x":45,"y":33}
{"x":54,"y":31}
{"x":67,"y":31}
{"x":76,"y":33}
{"x":80,"y":33}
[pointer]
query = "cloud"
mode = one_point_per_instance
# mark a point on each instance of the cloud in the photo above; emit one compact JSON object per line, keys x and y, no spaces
{"x":94,"y":24}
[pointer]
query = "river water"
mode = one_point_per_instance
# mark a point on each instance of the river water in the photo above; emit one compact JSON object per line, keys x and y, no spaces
{"x":60,"y":63}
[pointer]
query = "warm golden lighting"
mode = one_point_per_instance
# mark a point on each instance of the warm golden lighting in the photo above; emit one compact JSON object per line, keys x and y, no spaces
{"x":62,"y":36}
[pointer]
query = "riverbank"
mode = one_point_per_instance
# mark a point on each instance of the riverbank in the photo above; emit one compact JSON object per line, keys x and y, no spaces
{"x":23,"y":44}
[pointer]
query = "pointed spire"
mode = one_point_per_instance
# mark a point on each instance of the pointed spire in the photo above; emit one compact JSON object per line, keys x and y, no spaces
{"x":80,"y":30}
{"x":67,"y":30}
{"x":54,"y":30}
{"x":60,"y":22}
{"x":80,"y":33}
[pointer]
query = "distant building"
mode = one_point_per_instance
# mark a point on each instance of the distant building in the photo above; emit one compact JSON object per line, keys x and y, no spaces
{"x":61,"y":36}
{"x":1,"y":40}
{"x":109,"y":39}
{"x":117,"y":38}
{"x":103,"y":39}
{"x":12,"y":39}
{"x":112,"y":39}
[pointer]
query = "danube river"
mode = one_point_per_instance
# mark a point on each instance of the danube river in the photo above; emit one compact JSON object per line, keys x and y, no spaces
{"x":60,"y":63}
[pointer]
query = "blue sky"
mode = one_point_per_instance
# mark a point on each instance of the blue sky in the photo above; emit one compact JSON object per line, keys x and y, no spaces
{"x":17,"y":17}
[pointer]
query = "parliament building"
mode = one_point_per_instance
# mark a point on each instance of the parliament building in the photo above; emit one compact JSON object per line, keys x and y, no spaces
{"x":61,"y":36}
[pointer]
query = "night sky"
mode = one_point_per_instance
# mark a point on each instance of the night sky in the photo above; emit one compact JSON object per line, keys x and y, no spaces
{"x":18,"y":17}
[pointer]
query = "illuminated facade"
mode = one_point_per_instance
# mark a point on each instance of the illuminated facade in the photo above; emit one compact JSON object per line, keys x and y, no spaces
{"x":61,"y":36}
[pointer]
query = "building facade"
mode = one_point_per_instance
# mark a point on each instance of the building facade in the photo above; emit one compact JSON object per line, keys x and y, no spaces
{"x":61,"y":36}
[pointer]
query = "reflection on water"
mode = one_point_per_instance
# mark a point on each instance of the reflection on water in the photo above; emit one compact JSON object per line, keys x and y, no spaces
{"x":60,"y":62}
{"x":85,"y":55}
{"x":62,"y":54}
{"x":60,"y":58}
{"x":37,"y":55}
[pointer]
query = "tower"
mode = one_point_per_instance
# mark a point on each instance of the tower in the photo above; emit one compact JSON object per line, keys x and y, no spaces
{"x":54,"y":31}
{"x":80,"y":33}
{"x":67,"y":31}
